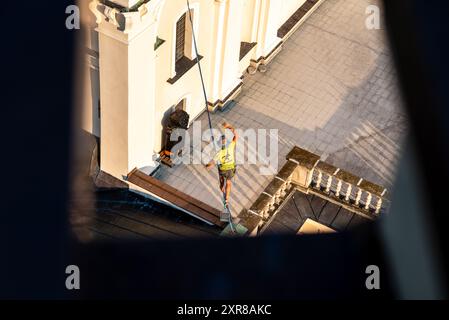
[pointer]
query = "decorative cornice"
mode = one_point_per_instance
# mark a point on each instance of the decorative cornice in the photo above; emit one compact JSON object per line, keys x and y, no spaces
{"x":127,"y":22}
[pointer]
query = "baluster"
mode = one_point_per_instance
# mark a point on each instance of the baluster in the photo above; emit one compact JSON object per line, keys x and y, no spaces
{"x":283,"y":194}
{"x":358,"y":197}
{"x":270,"y":204}
{"x":329,"y":183}
{"x":337,"y":191}
{"x":348,"y":192}
{"x":368,"y":201}
{"x":318,"y":180}
{"x":378,"y":205}
{"x":267,"y":213}
{"x":277,"y":196}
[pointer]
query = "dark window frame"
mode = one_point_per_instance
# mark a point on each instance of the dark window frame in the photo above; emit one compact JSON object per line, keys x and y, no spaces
{"x":180,"y":39}
{"x":182,"y":63}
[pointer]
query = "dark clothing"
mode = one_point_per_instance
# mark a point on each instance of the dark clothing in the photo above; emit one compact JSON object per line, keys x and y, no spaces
{"x":228,"y":174}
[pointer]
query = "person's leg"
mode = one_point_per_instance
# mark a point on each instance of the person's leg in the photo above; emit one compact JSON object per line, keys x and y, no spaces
{"x":222,"y":184}
{"x":228,"y":189}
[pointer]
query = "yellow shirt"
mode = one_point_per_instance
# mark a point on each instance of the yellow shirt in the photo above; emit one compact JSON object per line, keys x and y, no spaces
{"x":225,"y":158}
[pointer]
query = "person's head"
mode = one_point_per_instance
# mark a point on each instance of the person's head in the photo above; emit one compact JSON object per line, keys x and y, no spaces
{"x":223,"y":141}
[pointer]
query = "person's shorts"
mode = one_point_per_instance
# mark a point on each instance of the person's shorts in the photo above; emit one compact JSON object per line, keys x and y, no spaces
{"x":228,"y":174}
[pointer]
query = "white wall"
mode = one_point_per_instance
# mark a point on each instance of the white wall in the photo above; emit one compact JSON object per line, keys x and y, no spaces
{"x":248,"y":13}
{"x":114,"y":113}
{"x":289,"y":7}
{"x":90,"y":119}
{"x":141,"y":100}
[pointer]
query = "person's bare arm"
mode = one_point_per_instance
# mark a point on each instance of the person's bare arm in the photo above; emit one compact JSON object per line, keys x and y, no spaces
{"x":210,"y":165}
{"x":228,"y":126}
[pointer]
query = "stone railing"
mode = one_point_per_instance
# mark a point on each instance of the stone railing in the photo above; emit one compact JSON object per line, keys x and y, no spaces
{"x":304,"y":171}
{"x":345,"y":187}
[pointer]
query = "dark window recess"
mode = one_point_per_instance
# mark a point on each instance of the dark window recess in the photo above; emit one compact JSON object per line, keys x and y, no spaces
{"x":158,"y":43}
{"x":180,"y":39}
{"x":246,"y":47}
{"x":182,"y":66}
